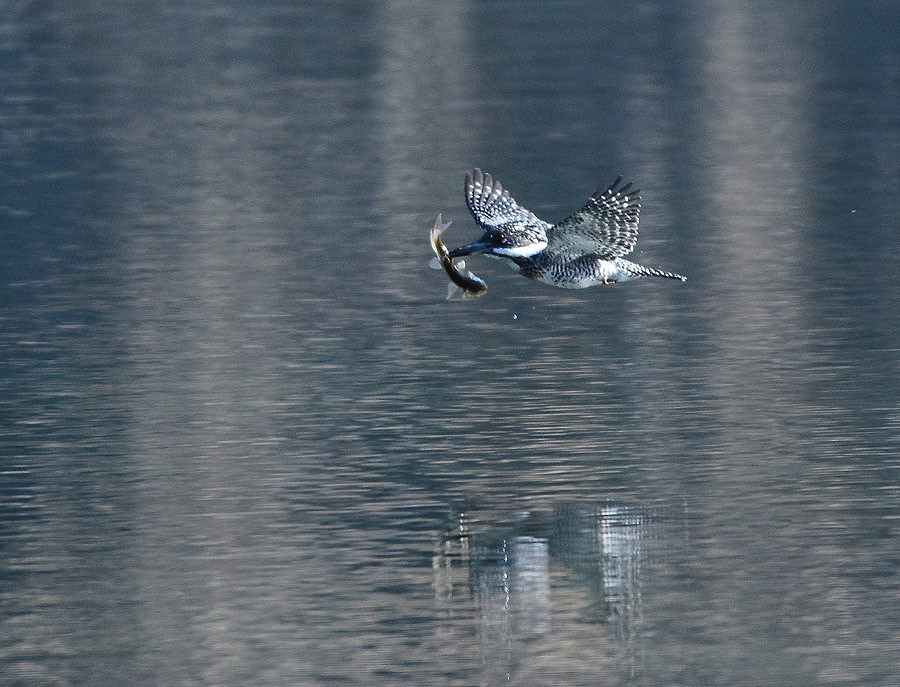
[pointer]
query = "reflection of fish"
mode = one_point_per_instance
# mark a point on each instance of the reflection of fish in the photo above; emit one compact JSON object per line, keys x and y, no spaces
{"x":465,"y":281}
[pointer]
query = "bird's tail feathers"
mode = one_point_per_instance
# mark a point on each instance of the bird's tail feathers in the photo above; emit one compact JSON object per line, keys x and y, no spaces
{"x":641,"y":271}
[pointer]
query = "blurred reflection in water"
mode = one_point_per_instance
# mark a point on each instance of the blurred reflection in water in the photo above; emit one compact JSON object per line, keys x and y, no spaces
{"x":515,"y":577}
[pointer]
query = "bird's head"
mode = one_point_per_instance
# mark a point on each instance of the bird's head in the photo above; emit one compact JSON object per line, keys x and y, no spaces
{"x":503,"y":246}
{"x":482,"y":245}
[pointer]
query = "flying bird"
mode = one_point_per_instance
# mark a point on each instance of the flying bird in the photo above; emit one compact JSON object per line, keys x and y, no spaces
{"x":585,"y":249}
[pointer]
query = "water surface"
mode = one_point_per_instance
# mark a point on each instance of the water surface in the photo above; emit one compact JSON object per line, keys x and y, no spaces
{"x":245,"y":440}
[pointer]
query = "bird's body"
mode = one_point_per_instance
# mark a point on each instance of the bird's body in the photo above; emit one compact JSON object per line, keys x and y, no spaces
{"x":586,"y":270}
{"x":585,"y":249}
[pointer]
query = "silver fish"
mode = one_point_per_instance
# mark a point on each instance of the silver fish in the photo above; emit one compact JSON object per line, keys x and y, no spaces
{"x":468,"y":283}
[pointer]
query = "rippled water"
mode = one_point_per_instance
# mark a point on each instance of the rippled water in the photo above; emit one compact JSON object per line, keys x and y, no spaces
{"x":245,"y":440}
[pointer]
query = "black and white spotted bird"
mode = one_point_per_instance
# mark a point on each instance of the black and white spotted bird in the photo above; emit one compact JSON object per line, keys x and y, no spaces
{"x":585,"y":249}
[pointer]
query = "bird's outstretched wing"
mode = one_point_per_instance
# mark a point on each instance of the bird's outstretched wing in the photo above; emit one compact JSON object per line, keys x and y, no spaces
{"x":606,"y":226}
{"x":494,"y":209}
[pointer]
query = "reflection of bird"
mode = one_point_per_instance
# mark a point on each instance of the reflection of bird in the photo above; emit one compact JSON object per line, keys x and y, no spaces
{"x":585,"y":249}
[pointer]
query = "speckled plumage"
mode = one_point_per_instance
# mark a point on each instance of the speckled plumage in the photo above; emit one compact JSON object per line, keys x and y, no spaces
{"x":508,"y":225}
{"x":585,"y":249}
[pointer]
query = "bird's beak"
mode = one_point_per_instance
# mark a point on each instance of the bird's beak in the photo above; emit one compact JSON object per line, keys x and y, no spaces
{"x":480,"y":246}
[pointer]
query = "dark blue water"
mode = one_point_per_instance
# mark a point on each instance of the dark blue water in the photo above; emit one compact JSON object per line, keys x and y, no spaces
{"x":245,"y":440}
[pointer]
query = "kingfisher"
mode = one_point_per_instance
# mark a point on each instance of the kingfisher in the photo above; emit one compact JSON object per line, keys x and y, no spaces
{"x":585,"y":249}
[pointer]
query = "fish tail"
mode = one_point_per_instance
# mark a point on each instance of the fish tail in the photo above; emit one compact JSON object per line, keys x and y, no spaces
{"x":436,"y":244}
